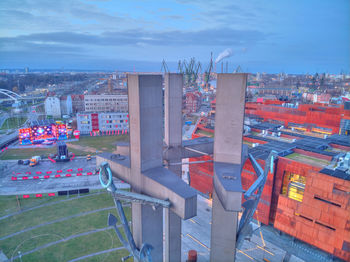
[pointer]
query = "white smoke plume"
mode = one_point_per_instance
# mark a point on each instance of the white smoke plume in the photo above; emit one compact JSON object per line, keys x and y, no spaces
{"x":226,"y":53}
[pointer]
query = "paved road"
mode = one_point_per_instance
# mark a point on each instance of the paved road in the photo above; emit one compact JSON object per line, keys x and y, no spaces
{"x":9,"y":187}
{"x":3,"y":117}
{"x":188,"y":130}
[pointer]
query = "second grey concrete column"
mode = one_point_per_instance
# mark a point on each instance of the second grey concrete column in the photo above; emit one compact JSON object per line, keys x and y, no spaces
{"x":227,"y":189}
{"x":173,"y":139}
{"x":145,"y":110}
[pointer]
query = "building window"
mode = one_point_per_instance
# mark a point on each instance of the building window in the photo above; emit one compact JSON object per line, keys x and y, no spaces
{"x":293,"y":186}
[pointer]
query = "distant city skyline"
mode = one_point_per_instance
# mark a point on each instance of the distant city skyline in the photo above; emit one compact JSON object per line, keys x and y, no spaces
{"x":264,"y":36}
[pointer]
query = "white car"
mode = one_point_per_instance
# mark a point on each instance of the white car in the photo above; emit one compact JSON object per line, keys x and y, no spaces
{"x":47,"y":142}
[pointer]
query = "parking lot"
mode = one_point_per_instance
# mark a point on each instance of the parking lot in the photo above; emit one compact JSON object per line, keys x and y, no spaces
{"x":18,"y":179}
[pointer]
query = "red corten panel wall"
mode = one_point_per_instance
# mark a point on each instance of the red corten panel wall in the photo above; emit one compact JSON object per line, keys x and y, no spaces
{"x":322,"y":219}
{"x":202,"y":180}
{"x":202,"y":175}
{"x":321,"y":115}
{"x":286,"y":165}
{"x":252,"y":140}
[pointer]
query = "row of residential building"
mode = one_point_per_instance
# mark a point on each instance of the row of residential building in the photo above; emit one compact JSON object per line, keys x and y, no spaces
{"x":103,"y":121}
{"x":72,"y":104}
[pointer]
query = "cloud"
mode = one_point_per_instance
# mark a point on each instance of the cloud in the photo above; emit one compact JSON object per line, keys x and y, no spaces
{"x":172,"y":17}
{"x":208,"y":37}
{"x":71,"y":15}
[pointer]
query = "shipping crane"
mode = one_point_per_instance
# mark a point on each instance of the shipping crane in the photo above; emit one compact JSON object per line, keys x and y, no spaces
{"x":208,"y":71}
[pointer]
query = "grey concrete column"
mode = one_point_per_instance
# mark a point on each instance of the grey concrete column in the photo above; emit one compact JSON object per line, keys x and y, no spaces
{"x":172,"y":234}
{"x":173,"y":138}
{"x":223,"y":232}
{"x":145,"y":112}
{"x":173,"y":109}
{"x":229,"y":117}
{"x":147,"y":228}
{"x":227,"y":190}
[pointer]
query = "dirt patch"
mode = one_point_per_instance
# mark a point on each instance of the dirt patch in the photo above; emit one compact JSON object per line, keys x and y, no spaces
{"x":82,"y":148}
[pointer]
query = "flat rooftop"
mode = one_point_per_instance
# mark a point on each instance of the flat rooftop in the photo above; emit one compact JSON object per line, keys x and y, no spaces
{"x":308,"y":160}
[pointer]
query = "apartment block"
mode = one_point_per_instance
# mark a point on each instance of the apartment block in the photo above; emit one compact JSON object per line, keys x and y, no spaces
{"x":106,"y":103}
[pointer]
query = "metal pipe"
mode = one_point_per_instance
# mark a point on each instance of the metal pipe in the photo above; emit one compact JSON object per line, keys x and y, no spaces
{"x":196,"y":151}
{"x":189,"y":163}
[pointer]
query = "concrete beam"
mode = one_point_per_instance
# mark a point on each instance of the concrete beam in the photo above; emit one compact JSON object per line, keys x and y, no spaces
{"x":201,"y":144}
{"x":228,"y":185}
{"x":157,"y":182}
{"x":162,"y":183}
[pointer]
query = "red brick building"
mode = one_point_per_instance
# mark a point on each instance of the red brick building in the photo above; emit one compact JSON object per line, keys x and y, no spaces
{"x":193,"y":102}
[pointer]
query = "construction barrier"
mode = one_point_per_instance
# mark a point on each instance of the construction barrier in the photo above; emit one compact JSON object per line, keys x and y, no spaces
{"x":59,"y":193}
{"x":109,"y":132}
{"x":16,"y":178}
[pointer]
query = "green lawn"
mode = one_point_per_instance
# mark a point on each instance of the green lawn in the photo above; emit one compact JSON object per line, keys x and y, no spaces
{"x":26,"y":153}
{"x":76,"y":206}
{"x":249,"y":144}
{"x":13,"y":122}
{"x":101,"y":143}
{"x":78,"y":247}
{"x":308,"y":159}
{"x":66,"y":250}
{"x":204,"y":133}
{"x":9,"y":204}
{"x":109,"y":257}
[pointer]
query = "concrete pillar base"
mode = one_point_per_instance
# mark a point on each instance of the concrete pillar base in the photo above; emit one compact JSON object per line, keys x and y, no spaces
{"x":172,"y":235}
{"x":223,"y":232}
{"x":147,"y":227}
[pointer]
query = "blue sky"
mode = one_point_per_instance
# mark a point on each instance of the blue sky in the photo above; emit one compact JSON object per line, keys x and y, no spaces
{"x":293,"y":36}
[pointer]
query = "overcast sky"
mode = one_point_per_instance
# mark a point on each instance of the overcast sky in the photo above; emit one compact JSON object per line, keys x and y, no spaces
{"x":292,"y":36}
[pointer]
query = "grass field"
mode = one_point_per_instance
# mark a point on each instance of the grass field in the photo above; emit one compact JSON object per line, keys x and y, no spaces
{"x":101,"y":143}
{"x":26,"y":153}
{"x":205,"y":133}
{"x":308,"y":159}
{"x":70,"y":244}
{"x":87,"y":145}
{"x":13,"y":122}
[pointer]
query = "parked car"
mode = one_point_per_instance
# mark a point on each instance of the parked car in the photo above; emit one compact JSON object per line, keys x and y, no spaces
{"x":47,"y":142}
